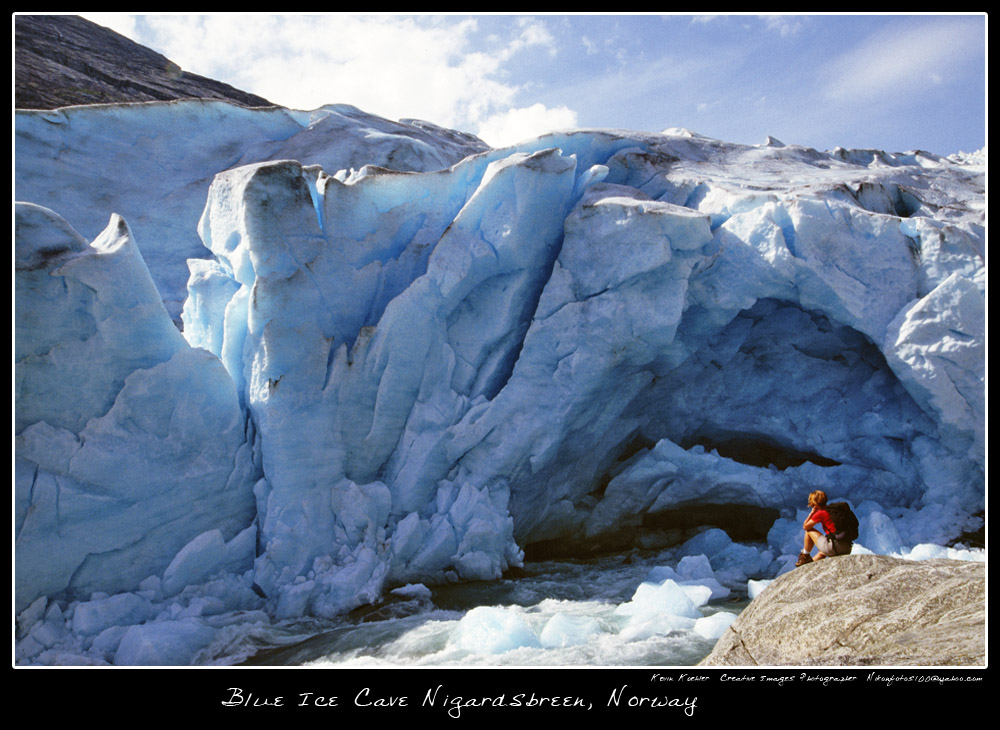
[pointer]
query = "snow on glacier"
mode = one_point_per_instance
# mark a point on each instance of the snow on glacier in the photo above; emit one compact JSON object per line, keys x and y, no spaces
{"x":594,"y":340}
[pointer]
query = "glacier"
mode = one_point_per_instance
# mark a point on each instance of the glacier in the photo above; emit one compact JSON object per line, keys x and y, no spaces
{"x":405,"y":359}
{"x":154,"y":167}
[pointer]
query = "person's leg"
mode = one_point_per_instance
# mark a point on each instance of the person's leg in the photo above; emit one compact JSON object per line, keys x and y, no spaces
{"x":807,"y":545}
{"x":825,"y":546}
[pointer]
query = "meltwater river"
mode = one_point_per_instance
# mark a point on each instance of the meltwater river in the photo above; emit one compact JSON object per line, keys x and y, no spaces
{"x":554,"y":613}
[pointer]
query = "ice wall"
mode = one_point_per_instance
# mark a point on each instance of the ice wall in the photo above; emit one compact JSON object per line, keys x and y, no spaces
{"x":153,"y":163}
{"x":128,"y":441}
{"x":592,"y":340}
{"x":579,"y":342}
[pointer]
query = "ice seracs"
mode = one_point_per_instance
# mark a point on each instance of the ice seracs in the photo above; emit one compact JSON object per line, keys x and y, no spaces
{"x":566,"y":359}
{"x":129,"y":442}
{"x":153,"y":163}
{"x":589,"y":341}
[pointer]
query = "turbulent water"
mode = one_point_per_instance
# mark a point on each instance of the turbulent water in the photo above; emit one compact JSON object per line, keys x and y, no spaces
{"x":500,"y":623}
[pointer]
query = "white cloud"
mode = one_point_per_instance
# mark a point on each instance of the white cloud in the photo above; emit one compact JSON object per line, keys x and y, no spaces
{"x":514,"y":125}
{"x":901,"y":62}
{"x":118,"y":22}
{"x":396,"y":66}
{"x":784,"y":25}
{"x":533,"y":33}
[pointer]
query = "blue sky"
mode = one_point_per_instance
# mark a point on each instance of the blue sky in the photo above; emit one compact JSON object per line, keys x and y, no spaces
{"x":894,"y":82}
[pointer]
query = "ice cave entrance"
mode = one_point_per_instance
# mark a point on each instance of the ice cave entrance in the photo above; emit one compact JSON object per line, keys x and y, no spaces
{"x":777,"y":387}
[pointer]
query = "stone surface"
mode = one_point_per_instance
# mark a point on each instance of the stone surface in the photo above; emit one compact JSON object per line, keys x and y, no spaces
{"x":63,"y":60}
{"x":863,"y":610}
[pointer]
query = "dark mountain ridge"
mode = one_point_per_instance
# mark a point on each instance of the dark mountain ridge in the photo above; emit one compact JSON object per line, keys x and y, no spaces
{"x":65,"y":60}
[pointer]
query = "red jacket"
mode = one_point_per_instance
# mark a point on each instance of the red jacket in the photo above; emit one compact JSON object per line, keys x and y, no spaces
{"x":823,"y":517}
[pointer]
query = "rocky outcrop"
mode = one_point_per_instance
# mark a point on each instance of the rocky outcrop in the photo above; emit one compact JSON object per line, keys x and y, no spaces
{"x":864,"y":610}
{"x":63,"y":60}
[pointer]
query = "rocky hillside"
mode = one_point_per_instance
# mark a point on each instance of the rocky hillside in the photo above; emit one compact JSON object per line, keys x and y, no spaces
{"x":864,"y":610}
{"x":64,"y":60}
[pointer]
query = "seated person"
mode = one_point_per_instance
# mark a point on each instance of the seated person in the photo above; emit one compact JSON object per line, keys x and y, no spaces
{"x":813,"y":537}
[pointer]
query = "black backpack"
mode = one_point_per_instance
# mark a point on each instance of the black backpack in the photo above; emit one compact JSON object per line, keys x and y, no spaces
{"x":844,"y":520}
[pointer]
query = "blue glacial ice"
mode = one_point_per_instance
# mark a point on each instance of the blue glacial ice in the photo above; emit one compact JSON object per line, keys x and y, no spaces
{"x":153,"y":163}
{"x":408,"y":360}
{"x":129,"y":442}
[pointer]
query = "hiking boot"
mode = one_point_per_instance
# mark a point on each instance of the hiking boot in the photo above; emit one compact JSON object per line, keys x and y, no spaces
{"x":803,"y":559}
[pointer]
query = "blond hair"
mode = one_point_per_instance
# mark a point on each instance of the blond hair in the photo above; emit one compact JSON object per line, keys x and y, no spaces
{"x":817,"y":498}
